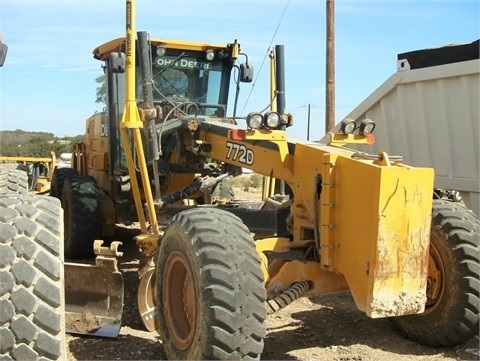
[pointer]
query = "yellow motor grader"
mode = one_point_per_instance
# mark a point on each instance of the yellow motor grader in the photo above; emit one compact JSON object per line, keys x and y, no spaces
{"x":333,"y":219}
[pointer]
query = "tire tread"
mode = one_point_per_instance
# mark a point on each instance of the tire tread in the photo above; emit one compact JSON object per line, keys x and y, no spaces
{"x":462,"y":229}
{"x":232,"y":284}
{"x":35,"y":328}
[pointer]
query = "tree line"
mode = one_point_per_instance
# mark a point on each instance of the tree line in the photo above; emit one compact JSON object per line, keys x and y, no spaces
{"x":19,"y":143}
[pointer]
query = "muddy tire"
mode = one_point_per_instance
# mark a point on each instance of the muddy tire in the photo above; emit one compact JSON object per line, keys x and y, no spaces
{"x":211,"y":301}
{"x":32,"y":303}
{"x":81,"y":206}
{"x":452,"y":312}
{"x":13,"y":179}
{"x":58,"y":180}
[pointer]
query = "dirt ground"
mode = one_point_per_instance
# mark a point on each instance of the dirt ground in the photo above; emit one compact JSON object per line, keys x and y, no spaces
{"x":321,"y":328}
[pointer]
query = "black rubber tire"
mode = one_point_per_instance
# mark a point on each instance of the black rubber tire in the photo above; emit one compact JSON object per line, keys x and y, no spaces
{"x":13,"y":178}
{"x":211,"y":301}
{"x":58,"y":180}
{"x":32,"y":302}
{"x":81,"y":205}
{"x":451,"y":316}
{"x":19,"y":166}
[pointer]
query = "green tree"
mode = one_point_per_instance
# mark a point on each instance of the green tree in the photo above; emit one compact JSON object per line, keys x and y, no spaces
{"x":19,"y":143}
{"x":256,"y":180}
{"x":102,"y":89}
{"x":78,"y":139}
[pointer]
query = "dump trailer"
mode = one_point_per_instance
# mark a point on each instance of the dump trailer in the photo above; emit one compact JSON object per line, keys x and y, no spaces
{"x":428,"y":112}
{"x":213,"y":270}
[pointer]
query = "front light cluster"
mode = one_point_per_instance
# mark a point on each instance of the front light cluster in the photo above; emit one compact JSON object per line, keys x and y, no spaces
{"x":210,"y":54}
{"x":269,"y":120}
{"x":348,"y":126}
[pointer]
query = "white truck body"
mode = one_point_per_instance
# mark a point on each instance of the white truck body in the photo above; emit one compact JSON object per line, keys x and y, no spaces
{"x":430,"y":116}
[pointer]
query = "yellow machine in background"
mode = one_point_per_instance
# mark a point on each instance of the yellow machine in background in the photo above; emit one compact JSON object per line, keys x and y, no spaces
{"x":29,"y":174}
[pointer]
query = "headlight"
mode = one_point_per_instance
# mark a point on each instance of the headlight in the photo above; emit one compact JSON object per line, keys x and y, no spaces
{"x":254,"y":120}
{"x":160,"y":49}
{"x":347,"y":126}
{"x":210,"y":54}
{"x":221,"y":54}
{"x":272,"y":120}
{"x":366,"y":126}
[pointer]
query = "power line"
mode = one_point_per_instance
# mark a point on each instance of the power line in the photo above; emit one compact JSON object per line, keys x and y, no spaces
{"x":305,"y":106}
{"x":265,"y":57}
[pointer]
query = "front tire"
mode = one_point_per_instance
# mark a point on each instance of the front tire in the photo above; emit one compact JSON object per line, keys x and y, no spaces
{"x":451,"y":314}
{"x":211,"y":301}
{"x":32,"y":302}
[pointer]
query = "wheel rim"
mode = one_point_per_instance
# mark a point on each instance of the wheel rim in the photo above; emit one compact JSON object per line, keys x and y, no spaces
{"x":146,"y":300}
{"x":436,"y":272}
{"x":179,"y":300}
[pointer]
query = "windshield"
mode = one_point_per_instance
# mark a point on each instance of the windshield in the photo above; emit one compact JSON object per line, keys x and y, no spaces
{"x":185,"y":78}
{"x":190,"y":83}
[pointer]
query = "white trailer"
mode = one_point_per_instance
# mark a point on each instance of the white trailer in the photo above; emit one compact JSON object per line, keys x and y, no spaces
{"x":428,"y":112}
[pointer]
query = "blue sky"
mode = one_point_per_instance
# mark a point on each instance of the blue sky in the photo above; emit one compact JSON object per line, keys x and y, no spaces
{"x":48,"y":80}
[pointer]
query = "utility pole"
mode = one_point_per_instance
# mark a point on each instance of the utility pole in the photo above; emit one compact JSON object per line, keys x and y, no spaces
{"x":308,"y":123}
{"x":330,"y":65}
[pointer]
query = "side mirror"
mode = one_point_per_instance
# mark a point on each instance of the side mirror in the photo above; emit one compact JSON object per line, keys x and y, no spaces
{"x":246,"y":73}
{"x":3,"y":53}
{"x":117,"y":62}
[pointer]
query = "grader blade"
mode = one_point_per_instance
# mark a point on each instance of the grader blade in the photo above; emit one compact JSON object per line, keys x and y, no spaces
{"x":94,"y":294}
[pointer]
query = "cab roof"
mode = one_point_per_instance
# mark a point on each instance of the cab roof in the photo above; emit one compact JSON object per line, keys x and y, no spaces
{"x":102,"y":52}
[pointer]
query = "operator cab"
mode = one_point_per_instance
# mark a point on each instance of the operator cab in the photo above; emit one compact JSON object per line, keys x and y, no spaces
{"x":190,"y":83}
{"x":188,"y":78}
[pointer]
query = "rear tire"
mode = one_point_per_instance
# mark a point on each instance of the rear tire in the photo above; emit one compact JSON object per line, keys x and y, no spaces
{"x":58,"y":180}
{"x":451,"y":315}
{"x":211,"y":301}
{"x":32,"y":302}
{"x":13,"y":178}
{"x":81,"y":205}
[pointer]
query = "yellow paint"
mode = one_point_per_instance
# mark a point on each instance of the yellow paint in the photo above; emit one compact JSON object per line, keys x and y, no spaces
{"x":131,"y":121}
{"x":372,"y":222}
{"x":381,"y":234}
{"x":280,"y":275}
{"x":102,"y":52}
